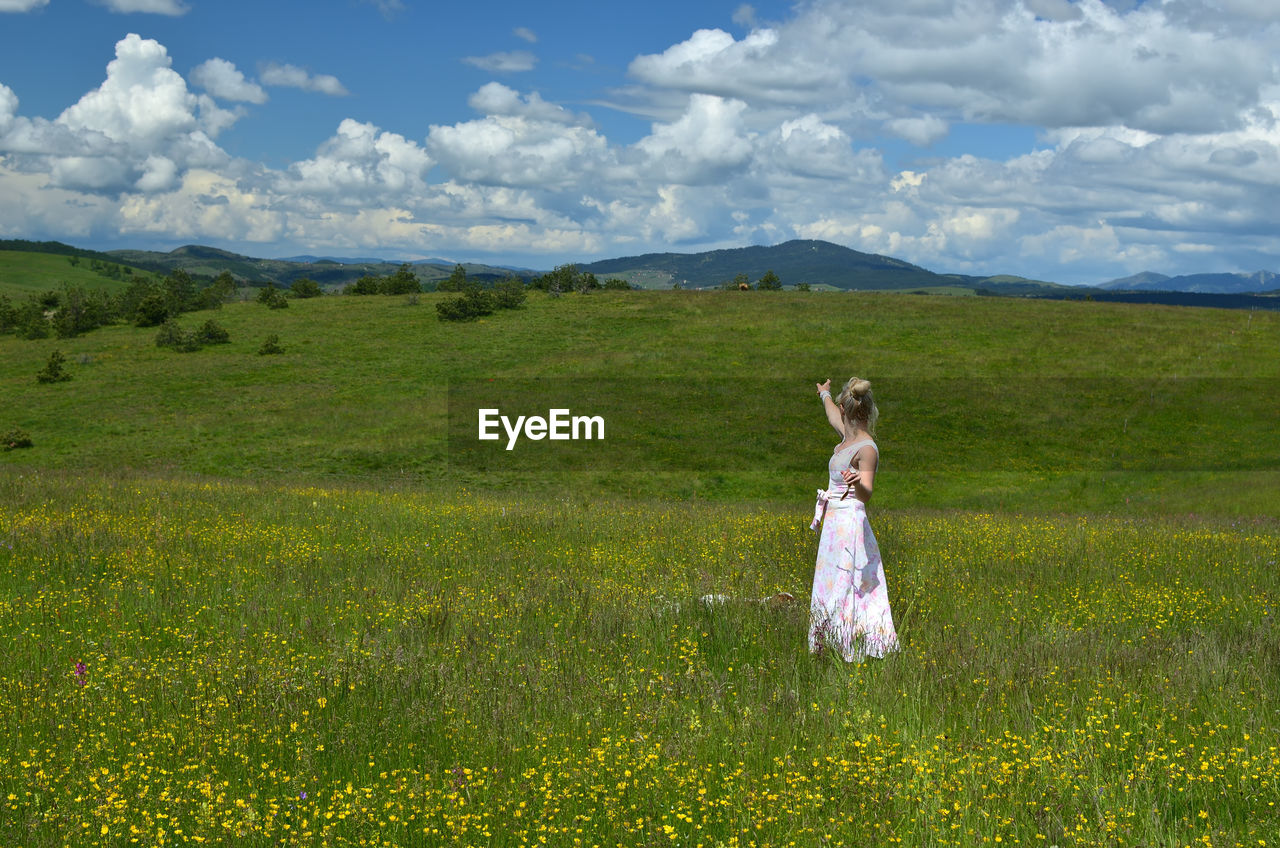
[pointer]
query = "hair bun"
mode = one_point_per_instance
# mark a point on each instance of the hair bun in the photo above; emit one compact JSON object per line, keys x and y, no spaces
{"x":861,"y":387}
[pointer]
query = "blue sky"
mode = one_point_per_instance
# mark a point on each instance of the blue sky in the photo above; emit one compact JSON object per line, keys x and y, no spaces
{"x":1069,"y":140}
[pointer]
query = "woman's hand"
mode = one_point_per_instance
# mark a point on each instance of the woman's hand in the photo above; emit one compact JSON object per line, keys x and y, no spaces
{"x":824,"y":387}
{"x":852,"y":477}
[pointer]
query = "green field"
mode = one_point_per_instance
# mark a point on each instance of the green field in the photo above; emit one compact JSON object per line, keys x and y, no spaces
{"x":24,"y":273}
{"x":303,"y":615}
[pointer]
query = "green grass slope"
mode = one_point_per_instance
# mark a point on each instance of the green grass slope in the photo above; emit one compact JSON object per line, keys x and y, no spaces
{"x":986,"y":403}
{"x":24,"y":273}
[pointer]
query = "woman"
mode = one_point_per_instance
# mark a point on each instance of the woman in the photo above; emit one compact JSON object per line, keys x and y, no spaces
{"x":849,"y":609}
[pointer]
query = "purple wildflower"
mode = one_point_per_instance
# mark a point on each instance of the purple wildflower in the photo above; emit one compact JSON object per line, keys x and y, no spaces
{"x":81,"y":672}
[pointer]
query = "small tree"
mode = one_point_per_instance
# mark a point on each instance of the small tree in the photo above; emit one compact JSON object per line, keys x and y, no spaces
{"x":305,"y":287}
{"x":222,"y":289}
{"x":270,"y":346}
{"x":273,"y":297}
{"x":179,"y":292}
{"x":152,"y":310}
{"x":509,"y":293}
{"x":53,"y":372}
{"x":365,"y":285}
{"x":403,"y":281}
{"x":769,"y":282}
{"x":802,"y":286}
{"x":618,"y":284}
{"x":211,"y":332}
{"x":456,"y":282}
{"x":741,"y":282}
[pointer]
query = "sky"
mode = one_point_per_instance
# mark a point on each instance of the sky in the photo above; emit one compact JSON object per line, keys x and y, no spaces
{"x":1067,"y":140}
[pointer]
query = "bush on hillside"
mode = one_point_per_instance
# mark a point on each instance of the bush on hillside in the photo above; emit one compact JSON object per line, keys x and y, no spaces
{"x":270,"y":346}
{"x":365,"y":285}
{"x":273,"y":297}
{"x":152,"y":311}
{"x":211,"y":332}
{"x":15,"y":439}
{"x":305,"y":287}
{"x":474,"y":303}
{"x":53,"y":372}
{"x":509,"y":293}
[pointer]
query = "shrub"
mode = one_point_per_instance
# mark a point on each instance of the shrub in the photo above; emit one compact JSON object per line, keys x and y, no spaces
{"x":211,"y":332}
{"x":456,"y":282}
{"x":509,"y":293}
{"x":53,"y":372}
{"x":273,"y":297}
{"x":15,"y":439}
{"x":171,"y":335}
{"x":152,"y":311}
{"x":403,"y":281}
{"x":270,"y":346}
{"x":617,"y":284}
{"x":364,"y":285}
{"x":473,"y":304}
{"x":769,"y":282}
{"x":305,"y":287}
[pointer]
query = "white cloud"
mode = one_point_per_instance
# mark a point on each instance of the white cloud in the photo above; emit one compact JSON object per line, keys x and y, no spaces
{"x":706,"y":143}
{"x":357,"y":165}
{"x":221,"y":79}
{"x":157,"y":7}
{"x":526,"y":34}
{"x":21,"y":5}
{"x":514,"y":150}
{"x":142,"y":101}
{"x":494,"y":98}
{"x":514,"y":61}
{"x":291,"y":76}
{"x":921,"y":130}
{"x":137,"y":130}
{"x":1049,"y":64}
{"x":8,"y":107}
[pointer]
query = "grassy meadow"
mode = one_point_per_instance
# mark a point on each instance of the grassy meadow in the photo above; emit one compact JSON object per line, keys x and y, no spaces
{"x":263,"y":600}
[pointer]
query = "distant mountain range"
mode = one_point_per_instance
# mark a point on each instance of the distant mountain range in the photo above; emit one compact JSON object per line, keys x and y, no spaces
{"x":1256,"y":283}
{"x":819,"y":264}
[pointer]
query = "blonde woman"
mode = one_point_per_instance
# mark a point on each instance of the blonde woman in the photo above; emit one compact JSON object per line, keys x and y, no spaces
{"x":849,"y":607}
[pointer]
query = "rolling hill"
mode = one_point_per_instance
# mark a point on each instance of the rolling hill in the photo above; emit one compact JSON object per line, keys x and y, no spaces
{"x":1259,"y":282}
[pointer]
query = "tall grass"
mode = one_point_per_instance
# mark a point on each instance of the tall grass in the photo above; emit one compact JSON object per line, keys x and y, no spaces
{"x":266,"y":664}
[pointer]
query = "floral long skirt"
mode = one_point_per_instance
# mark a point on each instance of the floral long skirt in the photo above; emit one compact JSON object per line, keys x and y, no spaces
{"x":849,"y":610}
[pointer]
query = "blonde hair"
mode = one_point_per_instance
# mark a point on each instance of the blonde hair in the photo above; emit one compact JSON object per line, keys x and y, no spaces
{"x":858,"y":405}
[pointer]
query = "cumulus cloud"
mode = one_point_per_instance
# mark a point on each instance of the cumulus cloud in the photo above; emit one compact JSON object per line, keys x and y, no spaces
{"x":757,"y":138}
{"x":706,"y":143}
{"x":291,"y":76}
{"x":222,"y":79}
{"x":357,"y":164}
{"x":514,"y":61}
{"x":156,"y":7}
{"x":519,"y":150}
{"x":21,"y":5}
{"x":137,"y":130}
{"x":497,"y":99}
{"x":1041,"y":62}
